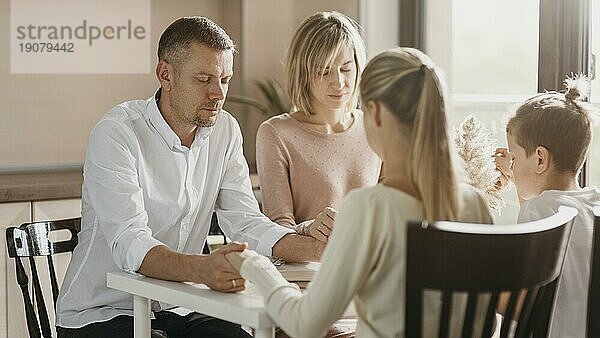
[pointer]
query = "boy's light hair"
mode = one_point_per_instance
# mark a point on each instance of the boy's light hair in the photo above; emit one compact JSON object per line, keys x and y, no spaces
{"x":409,"y":85}
{"x":562,"y":123}
{"x":314,"y":47}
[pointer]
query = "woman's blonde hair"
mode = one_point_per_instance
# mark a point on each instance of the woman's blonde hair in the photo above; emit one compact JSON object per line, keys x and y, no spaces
{"x":407,"y":82}
{"x":314,"y":47}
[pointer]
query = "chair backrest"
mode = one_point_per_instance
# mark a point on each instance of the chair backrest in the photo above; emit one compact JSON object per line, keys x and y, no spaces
{"x":31,"y":240}
{"x":214,"y":229}
{"x":482,"y":261}
{"x":593,"y":309}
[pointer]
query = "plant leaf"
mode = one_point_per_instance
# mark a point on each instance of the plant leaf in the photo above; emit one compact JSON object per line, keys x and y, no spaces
{"x":250,"y":102}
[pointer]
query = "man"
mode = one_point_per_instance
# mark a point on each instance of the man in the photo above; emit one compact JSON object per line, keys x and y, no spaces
{"x":154,"y":172}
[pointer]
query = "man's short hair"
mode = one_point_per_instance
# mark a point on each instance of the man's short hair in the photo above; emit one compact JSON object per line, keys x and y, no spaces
{"x":557,"y":122}
{"x":175,"y":41}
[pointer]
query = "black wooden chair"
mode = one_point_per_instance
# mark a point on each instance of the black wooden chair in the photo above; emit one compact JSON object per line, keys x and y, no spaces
{"x":32,"y":240}
{"x":593,"y":309}
{"x":215,"y":229}
{"x":482,"y":260}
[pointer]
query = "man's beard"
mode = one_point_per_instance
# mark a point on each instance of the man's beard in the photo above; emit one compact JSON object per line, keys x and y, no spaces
{"x":205,"y":123}
{"x":210,"y":121}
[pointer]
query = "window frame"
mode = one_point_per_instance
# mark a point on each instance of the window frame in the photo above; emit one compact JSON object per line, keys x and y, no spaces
{"x":564,"y":47}
{"x":564,"y":41}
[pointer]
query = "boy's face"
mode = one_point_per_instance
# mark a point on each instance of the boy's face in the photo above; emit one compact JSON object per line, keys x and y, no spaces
{"x":525,"y":171}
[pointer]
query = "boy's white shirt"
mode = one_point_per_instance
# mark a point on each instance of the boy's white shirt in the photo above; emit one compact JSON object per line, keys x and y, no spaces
{"x":569,"y":317}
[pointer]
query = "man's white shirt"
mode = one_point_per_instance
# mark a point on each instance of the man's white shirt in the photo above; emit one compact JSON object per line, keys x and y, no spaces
{"x":143,"y":188}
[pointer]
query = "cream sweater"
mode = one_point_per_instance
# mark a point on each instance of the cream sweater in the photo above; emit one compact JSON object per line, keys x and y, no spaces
{"x":365,"y":261}
{"x":302,"y":171}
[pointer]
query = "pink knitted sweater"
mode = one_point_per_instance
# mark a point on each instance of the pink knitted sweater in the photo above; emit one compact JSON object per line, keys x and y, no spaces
{"x":302,"y":171}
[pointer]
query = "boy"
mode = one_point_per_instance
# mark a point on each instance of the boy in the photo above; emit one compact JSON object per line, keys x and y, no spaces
{"x":548,"y":138}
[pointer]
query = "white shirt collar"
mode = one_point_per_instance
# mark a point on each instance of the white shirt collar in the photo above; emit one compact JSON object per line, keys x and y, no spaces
{"x":165,"y":131}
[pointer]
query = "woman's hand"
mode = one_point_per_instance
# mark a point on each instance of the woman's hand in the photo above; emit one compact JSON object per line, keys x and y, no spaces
{"x":503,"y":161}
{"x":221,"y":276}
{"x":237,"y":258}
{"x":322,"y":226}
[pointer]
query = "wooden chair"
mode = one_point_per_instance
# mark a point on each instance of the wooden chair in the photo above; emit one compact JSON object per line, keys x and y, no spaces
{"x":482,"y":259}
{"x":32,"y":240}
{"x":593,"y":309}
{"x":215,"y":229}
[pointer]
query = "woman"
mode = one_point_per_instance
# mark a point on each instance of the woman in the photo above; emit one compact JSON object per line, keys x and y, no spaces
{"x":406,"y":124}
{"x":312,"y":157}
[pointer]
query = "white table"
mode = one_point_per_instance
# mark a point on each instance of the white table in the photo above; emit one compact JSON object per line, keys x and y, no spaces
{"x":244,"y":308}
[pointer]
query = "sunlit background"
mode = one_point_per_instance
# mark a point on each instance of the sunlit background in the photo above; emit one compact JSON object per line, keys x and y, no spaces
{"x":488,"y":49}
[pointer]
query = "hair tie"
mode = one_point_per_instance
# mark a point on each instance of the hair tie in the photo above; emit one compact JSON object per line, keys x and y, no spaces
{"x":423,"y":68}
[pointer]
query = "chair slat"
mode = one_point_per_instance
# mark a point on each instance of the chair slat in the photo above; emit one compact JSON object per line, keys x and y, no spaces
{"x":444,"y":330}
{"x":525,"y":316}
{"x":413,"y":317}
{"x":490,"y":316}
{"x":32,"y":322}
{"x":53,"y":280}
{"x":469,"y":315}
{"x":509,"y":313}
{"x":39,"y":300}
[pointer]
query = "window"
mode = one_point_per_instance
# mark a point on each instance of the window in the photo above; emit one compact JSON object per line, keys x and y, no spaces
{"x":494,"y":54}
{"x":491,"y":62}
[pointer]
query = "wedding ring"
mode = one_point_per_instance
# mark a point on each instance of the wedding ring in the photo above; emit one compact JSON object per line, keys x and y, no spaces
{"x":233,"y":282}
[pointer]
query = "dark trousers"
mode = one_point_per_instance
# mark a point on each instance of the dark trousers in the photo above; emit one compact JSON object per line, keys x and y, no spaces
{"x":166,"y":325}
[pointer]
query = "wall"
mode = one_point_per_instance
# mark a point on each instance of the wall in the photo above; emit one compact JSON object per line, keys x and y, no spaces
{"x":380,"y":21}
{"x":45,"y":120}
